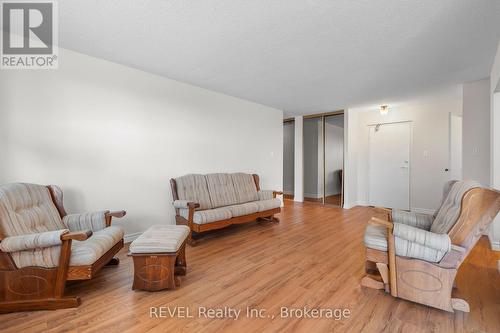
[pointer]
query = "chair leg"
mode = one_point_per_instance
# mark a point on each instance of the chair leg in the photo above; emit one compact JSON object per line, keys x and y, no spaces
{"x":370,"y":267}
{"x":384,"y":273}
{"x":180,"y":262}
{"x":271,"y":218}
{"x":378,"y":269}
{"x":191,"y":241}
{"x":113,"y":262}
{"x":370,"y":282}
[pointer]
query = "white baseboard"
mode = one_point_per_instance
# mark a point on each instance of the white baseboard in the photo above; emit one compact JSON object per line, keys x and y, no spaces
{"x":131,"y":237}
{"x":422,"y":210}
{"x":495,"y":245}
{"x":317,"y":196}
{"x":354,"y":204}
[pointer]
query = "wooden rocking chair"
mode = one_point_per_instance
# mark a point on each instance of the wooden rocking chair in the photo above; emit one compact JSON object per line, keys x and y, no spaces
{"x":416,"y":256}
{"x":42,"y":247}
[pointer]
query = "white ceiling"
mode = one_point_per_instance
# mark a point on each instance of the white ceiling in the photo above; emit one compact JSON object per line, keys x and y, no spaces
{"x":302,"y":56}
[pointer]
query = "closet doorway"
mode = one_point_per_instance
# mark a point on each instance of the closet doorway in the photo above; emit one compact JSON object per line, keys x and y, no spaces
{"x":333,"y":175}
{"x":323,"y":157}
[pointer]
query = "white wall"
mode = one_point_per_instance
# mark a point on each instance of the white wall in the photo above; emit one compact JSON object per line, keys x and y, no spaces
{"x":476,"y":131}
{"x":288,"y":156}
{"x":429,"y":154}
{"x":494,"y":233}
{"x":113,"y":136}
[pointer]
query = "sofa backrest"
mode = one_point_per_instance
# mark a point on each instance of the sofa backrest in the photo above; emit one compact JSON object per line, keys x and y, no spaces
{"x":245,"y":188}
{"x":449,"y":212}
{"x":221,"y":189}
{"x":446,"y":190}
{"x":216,"y":189}
{"x":194,"y":187}
{"x":27,"y":209}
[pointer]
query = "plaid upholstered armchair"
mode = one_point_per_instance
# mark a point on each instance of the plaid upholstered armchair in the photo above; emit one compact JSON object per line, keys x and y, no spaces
{"x":416,"y":256}
{"x":42,"y":247}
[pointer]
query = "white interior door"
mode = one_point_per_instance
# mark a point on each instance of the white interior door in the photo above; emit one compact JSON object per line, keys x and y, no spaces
{"x":389,"y":165}
{"x":455,"y":145}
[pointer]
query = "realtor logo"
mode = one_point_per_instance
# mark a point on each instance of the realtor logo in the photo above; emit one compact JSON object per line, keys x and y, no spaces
{"x":29,"y":34}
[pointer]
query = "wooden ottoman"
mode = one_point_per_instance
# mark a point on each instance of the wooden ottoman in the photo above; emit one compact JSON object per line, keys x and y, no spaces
{"x":159,"y":257}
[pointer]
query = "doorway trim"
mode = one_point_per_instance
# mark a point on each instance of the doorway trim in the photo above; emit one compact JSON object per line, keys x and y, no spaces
{"x":322,"y":116}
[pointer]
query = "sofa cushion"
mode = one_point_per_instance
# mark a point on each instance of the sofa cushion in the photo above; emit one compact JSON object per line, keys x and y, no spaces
{"x":446,"y":190}
{"x":265,"y":194}
{"x":418,"y":220}
{"x":82,"y":252}
{"x":194,"y":188}
{"x":27,"y":209}
{"x":32,"y":241}
{"x":268,"y":204}
{"x":376,"y":238}
{"x":245,"y":188}
{"x":87,"y":221}
{"x":449,"y":212}
{"x":211,"y":215}
{"x":160,"y":238}
{"x":221,"y":189}
{"x":243,"y":209}
{"x":89,"y":251}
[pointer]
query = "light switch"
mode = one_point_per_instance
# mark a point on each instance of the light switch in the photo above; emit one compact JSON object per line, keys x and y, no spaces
{"x":426,"y":154}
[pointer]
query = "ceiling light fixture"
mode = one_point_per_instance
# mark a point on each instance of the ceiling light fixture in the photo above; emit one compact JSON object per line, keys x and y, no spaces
{"x":384,"y":109}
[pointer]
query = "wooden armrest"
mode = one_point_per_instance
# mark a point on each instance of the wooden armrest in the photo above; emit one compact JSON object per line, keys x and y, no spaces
{"x":78,"y":235}
{"x":118,"y":214}
{"x":454,"y":257}
{"x":275,"y":193}
{"x":457,"y":248}
{"x":382,"y":210}
{"x":193,"y":205}
{"x":109,"y":216}
{"x":384,"y":223}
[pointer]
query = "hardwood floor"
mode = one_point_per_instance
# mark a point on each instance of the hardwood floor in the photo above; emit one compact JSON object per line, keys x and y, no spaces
{"x":334,"y":200}
{"x":313,"y":258}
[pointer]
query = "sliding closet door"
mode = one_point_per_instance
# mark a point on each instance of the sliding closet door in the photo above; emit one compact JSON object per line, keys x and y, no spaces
{"x":313,"y":160}
{"x":334,"y":159}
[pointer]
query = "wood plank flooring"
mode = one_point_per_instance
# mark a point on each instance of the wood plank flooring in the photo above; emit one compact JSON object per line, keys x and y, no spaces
{"x":314,"y":257}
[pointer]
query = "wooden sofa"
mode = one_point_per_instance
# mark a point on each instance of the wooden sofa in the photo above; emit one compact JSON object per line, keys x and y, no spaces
{"x":416,"y":256}
{"x":214,"y":201}
{"x":42,"y":247}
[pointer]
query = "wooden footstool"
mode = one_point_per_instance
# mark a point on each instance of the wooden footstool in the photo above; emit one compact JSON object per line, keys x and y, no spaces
{"x":159,"y":257}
